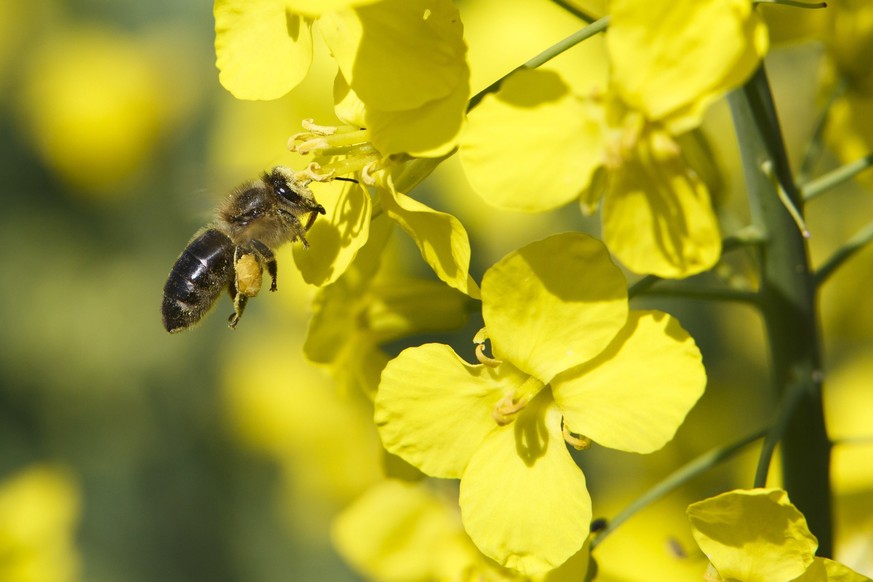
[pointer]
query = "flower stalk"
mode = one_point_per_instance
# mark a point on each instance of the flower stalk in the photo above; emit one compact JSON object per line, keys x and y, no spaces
{"x":787,"y":299}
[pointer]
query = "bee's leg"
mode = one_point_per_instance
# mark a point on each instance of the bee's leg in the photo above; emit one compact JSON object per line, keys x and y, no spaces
{"x":266,"y":258}
{"x":293,"y":223}
{"x":239,"y":304}
{"x":311,"y":219}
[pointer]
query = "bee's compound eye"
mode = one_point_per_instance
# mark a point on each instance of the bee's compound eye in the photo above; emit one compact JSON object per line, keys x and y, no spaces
{"x":286,"y":192}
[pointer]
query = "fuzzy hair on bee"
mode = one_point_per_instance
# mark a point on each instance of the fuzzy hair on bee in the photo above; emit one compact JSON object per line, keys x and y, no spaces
{"x":233,"y":251}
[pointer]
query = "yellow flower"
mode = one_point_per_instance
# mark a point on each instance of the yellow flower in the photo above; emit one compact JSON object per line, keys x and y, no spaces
{"x":535,"y":145}
{"x":404,"y":59}
{"x":657,"y":216}
{"x":280,"y":405}
{"x":405,"y":532}
{"x":39,"y":508}
{"x":94,"y":103}
{"x":850,"y":122}
{"x":440,"y":237}
{"x":672,"y":58}
{"x":757,"y":535}
{"x":365,"y":308}
{"x":571,"y":363}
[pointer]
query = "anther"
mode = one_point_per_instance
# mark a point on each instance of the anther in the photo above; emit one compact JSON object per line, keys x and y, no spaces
{"x":310,"y":125}
{"x":508,"y":408}
{"x":314,"y":173}
{"x":577,"y":441}
{"x":479,"y":339}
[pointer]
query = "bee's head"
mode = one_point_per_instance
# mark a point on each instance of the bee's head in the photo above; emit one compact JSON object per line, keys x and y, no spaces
{"x":292,"y":190}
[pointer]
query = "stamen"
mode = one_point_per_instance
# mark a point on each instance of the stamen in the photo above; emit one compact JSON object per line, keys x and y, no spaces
{"x":484,"y":359}
{"x":330,"y":141}
{"x":577,"y":441}
{"x":311,"y":126}
{"x":479,"y":339}
{"x":314,"y":172}
{"x":508,"y":408}
{"x":352,"y":164}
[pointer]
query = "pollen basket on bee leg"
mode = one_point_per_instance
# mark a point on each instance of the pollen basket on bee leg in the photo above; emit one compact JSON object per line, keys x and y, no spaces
{"x":248,"y":275}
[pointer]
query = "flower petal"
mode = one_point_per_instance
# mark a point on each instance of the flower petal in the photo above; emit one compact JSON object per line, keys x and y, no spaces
{"x":440,"y":237}
{"x":401,"y":531}
{"x":657,"y":216}
{"x":523,"y":499}
{"x":337,"y":309}
{"x":428,"y":131}
{"x":553,"y":304}
{"x":824,"y":570}
{"x":403,"y":307}
{"x":532,"y":146}
{"x":398,"y":54}
{"x":754,"y":535}
{"x":671,"y":58}
{"x":433,"y":409}
{"x":262,"y":51}
{"x":335,"y":239}
{"x":635,"y":395}
{"x":318,"y":7}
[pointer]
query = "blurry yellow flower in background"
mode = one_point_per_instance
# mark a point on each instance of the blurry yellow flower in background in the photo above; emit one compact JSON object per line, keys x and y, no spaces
{"x":849,"y":405}
{"x":367,"y":307}
{"x":671,"y":59}
{"x":405,"y":532}
{"x":850,"y":44}
{"x":95,"y":104}
{"x":658,"y":538}
{"x":323,"y":442}
{"x":39,"y":511}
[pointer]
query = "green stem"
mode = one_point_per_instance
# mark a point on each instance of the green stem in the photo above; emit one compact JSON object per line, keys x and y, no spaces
{"x":816,"y":142}
{"x":794,"y":3}
{"x":676,"y":479}
{"x":704,"y":293}
{"x":575,"y":11}
{"x":787,"y":293}
{"x":844,"y":253}
{"x":786,"y":412}
{"x":585,"y":33}
{"x":835,"y":177}
{"x":745,"y":237}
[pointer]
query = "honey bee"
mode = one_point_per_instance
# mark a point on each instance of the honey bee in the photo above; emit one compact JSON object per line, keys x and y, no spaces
{"x":233,"y":251}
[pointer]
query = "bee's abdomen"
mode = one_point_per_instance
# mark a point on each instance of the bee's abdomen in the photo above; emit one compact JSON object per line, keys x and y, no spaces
{"x":201,"y":273}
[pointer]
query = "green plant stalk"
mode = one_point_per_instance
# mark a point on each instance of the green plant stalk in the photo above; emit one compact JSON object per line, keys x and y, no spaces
{"x":788,"y":306}
{"x":676,"y":479}
{"x":836,"y":177}
{"x":553,"y":51}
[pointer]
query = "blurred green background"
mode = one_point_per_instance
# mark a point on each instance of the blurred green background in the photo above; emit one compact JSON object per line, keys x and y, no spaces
{"x":116,"y":141}
{"x":128,"y":454}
